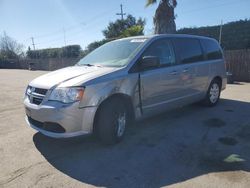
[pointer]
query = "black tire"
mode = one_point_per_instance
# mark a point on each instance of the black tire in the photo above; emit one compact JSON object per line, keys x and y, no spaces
{"x":212,"y":99}
{"x":110,"y":114}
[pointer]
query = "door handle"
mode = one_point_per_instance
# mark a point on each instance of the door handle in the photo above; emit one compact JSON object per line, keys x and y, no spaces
{"x":185,"y":70}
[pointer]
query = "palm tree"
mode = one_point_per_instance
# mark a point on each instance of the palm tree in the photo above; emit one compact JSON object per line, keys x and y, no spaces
{"x":164,"y":19}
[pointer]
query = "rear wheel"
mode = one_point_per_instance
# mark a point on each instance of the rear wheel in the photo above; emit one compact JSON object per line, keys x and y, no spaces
{"x":213,"y":93}
{"x":112,"y":119}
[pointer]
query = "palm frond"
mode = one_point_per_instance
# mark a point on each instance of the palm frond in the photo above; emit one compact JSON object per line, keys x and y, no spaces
{"x":150,"y":2}
{"x":174,"y":3}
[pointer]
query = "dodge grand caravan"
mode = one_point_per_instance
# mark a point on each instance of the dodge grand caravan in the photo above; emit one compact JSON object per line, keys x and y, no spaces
{"x":124,"y":80}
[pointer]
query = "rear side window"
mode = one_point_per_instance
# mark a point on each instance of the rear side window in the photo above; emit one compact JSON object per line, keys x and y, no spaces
{"x":188,"y":50}
{"x":212,"y":49}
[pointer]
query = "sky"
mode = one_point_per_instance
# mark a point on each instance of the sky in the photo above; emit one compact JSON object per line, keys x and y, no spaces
{"x":54,"y":23}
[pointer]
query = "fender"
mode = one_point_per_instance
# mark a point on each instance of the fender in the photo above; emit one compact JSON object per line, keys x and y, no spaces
{"x":129,"y":86}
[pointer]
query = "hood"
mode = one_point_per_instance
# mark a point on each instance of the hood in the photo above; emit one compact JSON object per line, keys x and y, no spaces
{"x":71,"y":75}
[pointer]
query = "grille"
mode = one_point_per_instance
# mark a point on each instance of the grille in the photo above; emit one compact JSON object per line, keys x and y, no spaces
{"x":37,"y":101}
{"x":36,"y":95}
{"x":41,"y":91}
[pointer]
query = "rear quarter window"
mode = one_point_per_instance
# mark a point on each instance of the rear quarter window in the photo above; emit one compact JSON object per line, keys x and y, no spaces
{"x":212,"y":49}
{"x":188,"y":50}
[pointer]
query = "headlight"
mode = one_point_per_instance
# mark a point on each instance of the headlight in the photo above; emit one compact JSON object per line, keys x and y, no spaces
{"x":67,"y":95}
{"x":28,"y":90}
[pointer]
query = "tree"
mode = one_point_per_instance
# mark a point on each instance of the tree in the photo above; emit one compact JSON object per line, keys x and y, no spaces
{"x":71,"y":51}
{"x":235,"y":35}
{"x":133,"y":31}
{"x":164,"y":19}
{"x":9,"y":48}
{"x":116,"y":29}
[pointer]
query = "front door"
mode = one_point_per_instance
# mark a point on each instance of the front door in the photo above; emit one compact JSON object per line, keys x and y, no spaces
{"x":161,"y":86}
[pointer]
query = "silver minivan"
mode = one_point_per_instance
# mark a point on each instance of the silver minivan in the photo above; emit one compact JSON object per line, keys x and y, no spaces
{"x":125,"y":80}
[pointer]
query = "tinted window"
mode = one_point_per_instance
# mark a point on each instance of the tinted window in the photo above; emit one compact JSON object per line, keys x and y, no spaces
{"x":162,"y":49}
{"x":212,"y":49}
{"x":189,"y":50}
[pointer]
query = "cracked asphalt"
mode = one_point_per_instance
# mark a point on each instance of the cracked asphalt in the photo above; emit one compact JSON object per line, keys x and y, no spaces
{"x":193,"y":146}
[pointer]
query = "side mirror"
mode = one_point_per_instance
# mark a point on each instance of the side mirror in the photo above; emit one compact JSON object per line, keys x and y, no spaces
{"x":148,"y":62}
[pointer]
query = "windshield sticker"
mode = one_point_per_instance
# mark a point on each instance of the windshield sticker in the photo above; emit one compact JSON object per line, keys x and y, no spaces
{"x":138,"y":40}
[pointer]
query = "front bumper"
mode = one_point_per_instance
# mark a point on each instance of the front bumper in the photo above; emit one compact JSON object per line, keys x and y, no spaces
{"x":74,"y":121}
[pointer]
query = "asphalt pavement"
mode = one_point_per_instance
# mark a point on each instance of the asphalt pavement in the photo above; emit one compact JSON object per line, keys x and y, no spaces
{"x":193,"y":146}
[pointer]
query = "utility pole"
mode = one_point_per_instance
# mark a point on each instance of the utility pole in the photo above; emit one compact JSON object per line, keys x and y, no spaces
{"x":64,"y":36}
{"x":34,"y":48}
{"x":220,"y":37}
{"x":33,"y":44}
{"x":121,"y":13}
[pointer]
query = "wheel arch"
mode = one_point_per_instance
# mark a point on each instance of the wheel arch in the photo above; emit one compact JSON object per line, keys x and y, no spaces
{"x":219,"y":78}
{"x":126,"y":100}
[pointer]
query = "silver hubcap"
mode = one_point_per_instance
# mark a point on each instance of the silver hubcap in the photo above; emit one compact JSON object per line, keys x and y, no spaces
{"x":214,"y":93}
{"x":121,"y":124}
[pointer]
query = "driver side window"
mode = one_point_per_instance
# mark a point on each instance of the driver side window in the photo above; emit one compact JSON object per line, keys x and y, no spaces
{"x":163,"y":50}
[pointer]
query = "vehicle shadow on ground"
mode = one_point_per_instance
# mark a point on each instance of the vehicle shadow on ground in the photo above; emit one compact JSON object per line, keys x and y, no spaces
{"x":160,"y":151}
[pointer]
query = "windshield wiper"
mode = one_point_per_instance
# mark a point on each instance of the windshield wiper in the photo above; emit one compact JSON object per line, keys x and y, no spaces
{"x":89,"y":65}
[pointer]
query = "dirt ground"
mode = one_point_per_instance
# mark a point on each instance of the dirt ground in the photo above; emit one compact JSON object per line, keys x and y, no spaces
{"x":194,"y":146}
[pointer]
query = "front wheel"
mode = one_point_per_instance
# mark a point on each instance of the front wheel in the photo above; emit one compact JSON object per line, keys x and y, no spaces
{"x":112,"y":120}
{"x":213,"y":93}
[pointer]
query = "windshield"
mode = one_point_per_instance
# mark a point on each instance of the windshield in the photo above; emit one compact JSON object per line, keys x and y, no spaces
{"x":113,"y":54}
